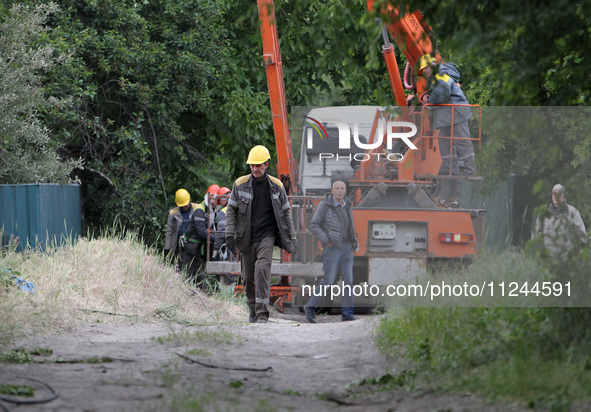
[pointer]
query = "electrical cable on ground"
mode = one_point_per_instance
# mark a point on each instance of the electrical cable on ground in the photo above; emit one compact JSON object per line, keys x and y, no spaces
{"x":54,"y":394}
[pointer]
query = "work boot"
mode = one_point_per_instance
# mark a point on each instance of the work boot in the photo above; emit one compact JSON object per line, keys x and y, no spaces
{"x":348,"y":318}
{"x":252,"y":318}
{"x":263,"y":319}
{"x":310,"y":314}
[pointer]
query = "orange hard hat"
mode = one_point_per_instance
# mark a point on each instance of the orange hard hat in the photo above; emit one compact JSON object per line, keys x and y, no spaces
{"x":213,"y":190}
{"x":223,"y":191}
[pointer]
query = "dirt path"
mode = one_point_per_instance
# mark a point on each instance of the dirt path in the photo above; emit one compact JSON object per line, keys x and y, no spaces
{"x":286,"y":364}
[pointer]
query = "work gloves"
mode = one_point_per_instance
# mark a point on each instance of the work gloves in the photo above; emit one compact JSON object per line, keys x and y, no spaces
{"x":294,"y":246}
{"x":231,"y":243}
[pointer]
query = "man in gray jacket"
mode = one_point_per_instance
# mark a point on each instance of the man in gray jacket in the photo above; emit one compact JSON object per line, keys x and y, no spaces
{"x":334,"y":228}
{"x":561,"y":225}
{"x":258,"y":217}
{"x":177,"y":221}
{"x":443,"y":88}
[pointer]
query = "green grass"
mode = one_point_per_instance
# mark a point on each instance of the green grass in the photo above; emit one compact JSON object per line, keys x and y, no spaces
{"x":221,"y":336}
{"x":17,"y":390}
{"x":538,"y":355}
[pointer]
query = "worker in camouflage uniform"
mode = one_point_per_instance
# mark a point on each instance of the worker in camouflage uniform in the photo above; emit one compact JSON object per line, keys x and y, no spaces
{"x":561,"y":226}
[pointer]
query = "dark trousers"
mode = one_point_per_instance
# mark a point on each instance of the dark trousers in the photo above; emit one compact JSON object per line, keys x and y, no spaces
{"x":256,"y":262}
{"x":191,"y":262}
{"x":450,"y":156}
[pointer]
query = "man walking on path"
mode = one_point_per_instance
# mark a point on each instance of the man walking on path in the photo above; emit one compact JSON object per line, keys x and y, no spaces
{"x":177,"y":221}
{"x":258,"y":217}
{"x":196,"y":237}
{"x":334,"y":228}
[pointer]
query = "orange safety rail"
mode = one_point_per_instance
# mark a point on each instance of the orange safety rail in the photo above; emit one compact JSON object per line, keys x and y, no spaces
{"x":425,"y":125}
{"x":416,"y":163}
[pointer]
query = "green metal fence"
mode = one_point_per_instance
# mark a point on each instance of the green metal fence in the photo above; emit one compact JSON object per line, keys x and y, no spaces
{"x":39,"y":215}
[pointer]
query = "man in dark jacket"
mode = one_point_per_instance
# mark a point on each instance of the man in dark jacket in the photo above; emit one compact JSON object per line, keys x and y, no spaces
{"x":443,"y":88}
{"x":177,"y":221}
{"x":258,"y":217}
{"x":334,"y":228}
{"x":201,"y":227}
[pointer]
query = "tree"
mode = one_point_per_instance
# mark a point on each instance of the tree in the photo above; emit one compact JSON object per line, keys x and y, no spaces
{"x":527,"y":53}
{"x":27,"y":151}
{"x":173,"y":94}
{"x":140,"y":79}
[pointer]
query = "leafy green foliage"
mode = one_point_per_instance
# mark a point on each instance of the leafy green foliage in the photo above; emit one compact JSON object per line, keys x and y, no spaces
{"x":174,"y":94}
{"x":16,"y":356}
{"x":536,"y":354}
{"x":532,"y":52}
{"x":527,"y":53}
{"x":27,"y":151}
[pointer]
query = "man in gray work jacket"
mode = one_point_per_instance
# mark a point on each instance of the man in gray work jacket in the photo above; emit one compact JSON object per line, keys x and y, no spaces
{"x":443,"y":88}
{"x":258,"y":218}
{"x":334,"y":228}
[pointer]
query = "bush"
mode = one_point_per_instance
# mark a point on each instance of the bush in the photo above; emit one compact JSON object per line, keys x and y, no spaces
{"x":539,"y":355}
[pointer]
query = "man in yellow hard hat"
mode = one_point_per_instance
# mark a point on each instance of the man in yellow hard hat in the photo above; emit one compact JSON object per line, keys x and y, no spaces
{"x":451,"y":121}
{"x":177,"y":221}
{"x":258,"y":217}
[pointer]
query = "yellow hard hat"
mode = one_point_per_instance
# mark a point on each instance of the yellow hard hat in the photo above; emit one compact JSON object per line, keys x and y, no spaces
{"x":258,"y":154}
{"x":426,"y":60}
{"x":182,"y":198}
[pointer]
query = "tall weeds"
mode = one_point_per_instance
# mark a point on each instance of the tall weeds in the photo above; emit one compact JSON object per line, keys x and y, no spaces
{"x":109,"y":278}
{"x":540,"y":355}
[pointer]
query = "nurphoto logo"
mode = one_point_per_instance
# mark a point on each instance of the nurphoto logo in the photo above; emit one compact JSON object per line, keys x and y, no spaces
{"x":390,"y":130}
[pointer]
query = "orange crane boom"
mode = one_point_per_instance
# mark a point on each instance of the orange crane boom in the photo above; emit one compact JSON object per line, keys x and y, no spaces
{"x":286,"y":164}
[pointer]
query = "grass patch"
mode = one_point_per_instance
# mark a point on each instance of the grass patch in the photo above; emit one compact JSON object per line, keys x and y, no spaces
{"x":22,"y":355}
{"x":17,"y":390}
{"x":221,"y":336}
{"x":108,"y":279}
{"x":390,"y":381}
{"x":538,"y":355}
{"x":206,"y":400}
{"x":203,"y":353}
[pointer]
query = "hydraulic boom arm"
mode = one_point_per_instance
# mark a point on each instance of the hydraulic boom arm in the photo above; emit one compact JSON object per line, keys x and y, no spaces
{"x":413,"y":37}
{"x":286,"y":164}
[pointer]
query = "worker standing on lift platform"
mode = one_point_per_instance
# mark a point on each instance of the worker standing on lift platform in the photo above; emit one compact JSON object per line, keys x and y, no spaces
{"x":443,"y":88}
